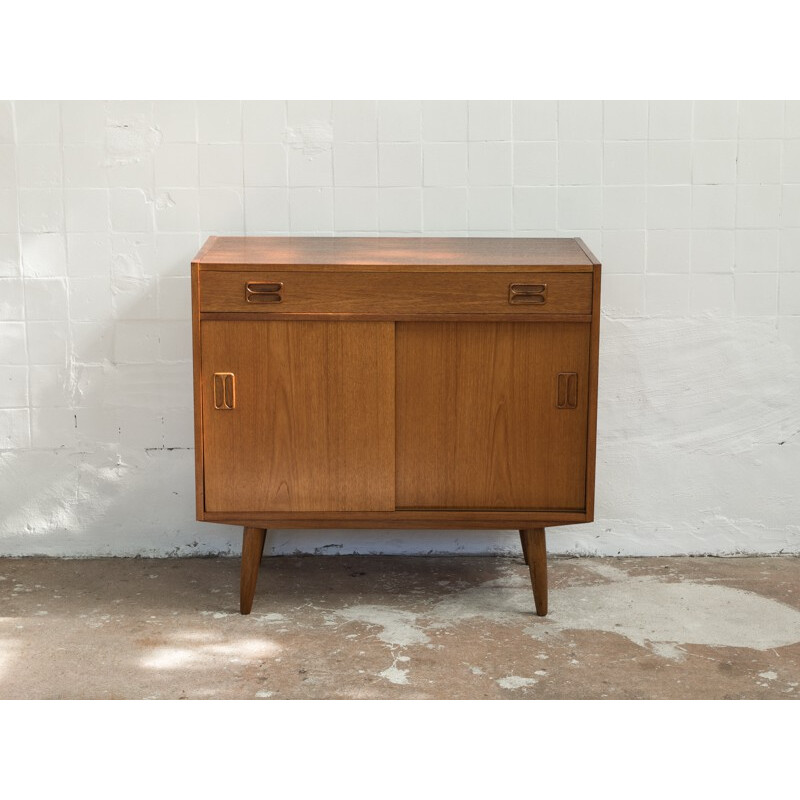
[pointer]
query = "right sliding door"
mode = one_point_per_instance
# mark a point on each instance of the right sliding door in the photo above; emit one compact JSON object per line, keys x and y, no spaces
{"x":491,"y":415}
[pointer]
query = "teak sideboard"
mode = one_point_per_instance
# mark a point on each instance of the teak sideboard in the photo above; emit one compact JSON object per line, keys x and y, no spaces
{"x":395,"y":383}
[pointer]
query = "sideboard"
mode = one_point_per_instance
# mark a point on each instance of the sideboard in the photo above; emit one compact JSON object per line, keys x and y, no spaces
{"x":413,"y":383}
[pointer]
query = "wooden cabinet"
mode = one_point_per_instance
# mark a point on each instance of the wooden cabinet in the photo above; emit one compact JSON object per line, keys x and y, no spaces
{"x":395,"y":383}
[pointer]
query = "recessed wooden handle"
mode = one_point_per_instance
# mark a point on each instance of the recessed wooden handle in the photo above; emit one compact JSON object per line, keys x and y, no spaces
{"x":263,"y":292}
{"x":531,"y":293}
{"x":567,"y":390}
{"x":224,"y":391}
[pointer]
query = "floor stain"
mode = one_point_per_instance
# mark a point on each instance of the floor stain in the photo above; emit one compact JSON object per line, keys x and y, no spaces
{"x":354,"y":627}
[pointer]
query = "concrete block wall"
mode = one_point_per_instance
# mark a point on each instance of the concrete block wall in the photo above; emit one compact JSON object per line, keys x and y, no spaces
{"x":693,"y":207}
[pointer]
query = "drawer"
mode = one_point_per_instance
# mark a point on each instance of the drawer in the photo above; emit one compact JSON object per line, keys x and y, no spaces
{"x":475,"y":292}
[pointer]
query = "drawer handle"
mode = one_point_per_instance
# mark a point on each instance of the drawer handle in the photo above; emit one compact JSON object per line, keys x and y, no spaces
{"x":224,"y":391}
{"x":532,"y":293}
{"x":255,"y":292}
{"x":567,"y":390}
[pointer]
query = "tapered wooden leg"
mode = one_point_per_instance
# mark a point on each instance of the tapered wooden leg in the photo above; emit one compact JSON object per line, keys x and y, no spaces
{"x":524,"y":545}
{"x":536,"y":551}
{"x":252,"y":550}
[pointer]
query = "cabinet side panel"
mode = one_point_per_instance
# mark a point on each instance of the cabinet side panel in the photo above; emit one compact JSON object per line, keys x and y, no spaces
{"x":478,"y":422}
{"x":312,"y":427}
{"x":591,"y":439}
{"x":197,"y":378}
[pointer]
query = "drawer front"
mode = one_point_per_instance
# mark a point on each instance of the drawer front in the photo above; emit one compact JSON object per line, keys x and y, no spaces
{"x":396,"y":292}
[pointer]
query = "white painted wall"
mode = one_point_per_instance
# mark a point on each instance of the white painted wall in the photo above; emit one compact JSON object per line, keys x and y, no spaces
{"x":694,"y":209}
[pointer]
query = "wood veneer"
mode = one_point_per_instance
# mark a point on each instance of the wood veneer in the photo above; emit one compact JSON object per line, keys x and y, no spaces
{"x":476,"y":408}
{"x":395,"y":293}
{"x":395,"y":382}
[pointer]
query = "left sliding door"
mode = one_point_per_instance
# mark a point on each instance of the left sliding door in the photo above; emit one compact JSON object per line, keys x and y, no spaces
{"x":298,"y":415}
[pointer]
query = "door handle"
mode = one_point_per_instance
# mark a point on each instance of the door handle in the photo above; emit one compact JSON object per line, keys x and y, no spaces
{"x":567,"y":390}
{"x":224,"y":391}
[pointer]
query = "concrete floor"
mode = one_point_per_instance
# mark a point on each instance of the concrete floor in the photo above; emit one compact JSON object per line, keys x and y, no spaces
{"x":400,"y":627}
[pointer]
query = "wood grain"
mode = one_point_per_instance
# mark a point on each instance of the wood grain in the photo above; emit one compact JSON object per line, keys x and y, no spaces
{"x":313,"y":427}
{"x":591,"y":432}
{"x":417,"y":269}
{"x":399,"y":251}
{"x":379,"y":316}
{"x":197,"y":383}
{"x":395,"y":292}
{"x":536,"y":557}
{"x":477,"y":423}
{"x":590,"y":256}
{"x":411,"y":520}
{"x":252,"y":550}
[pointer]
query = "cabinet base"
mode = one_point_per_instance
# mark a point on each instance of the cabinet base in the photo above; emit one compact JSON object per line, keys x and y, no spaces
{"x":534,"y":550}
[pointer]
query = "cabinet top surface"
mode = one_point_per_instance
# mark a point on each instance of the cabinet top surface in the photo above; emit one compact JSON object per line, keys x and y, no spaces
{"x":394,"y":251}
